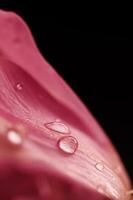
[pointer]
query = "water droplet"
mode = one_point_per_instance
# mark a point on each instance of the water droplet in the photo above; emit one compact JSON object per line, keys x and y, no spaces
{"x":14,"y":137}
{"x":99,"y":166}
{"x":58,"y":127}
{"x":19,"y":86}
{"x":68,"y":144}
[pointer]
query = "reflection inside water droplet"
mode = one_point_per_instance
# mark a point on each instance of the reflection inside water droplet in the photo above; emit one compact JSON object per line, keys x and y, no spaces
{"x":14,"y":137}
{"x":99,"y":166}
{"x":19,"y":86}
{"x":58,"y":127}
{"x":68,"y":144}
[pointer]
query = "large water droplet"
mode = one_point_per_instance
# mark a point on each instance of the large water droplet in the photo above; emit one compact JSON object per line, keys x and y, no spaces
{"x":68,"y":144}
{"x":19,"y":86}
{"x":14,"y":137}
{"x":58,"y":127}
{"x":99,"y":166}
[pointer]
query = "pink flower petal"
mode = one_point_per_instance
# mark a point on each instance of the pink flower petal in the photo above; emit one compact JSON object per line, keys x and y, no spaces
{"x":33,"y":95}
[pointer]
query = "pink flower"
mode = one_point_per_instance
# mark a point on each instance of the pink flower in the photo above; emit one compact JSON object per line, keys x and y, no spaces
{"x":51,"y":147}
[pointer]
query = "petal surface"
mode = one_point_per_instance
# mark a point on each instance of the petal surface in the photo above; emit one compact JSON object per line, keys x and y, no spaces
{"x":33,"y":94}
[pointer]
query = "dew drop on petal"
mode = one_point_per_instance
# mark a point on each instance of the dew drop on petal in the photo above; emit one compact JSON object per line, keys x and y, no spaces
{"x":68,"y":144}
{"x":19,"y":86}
{"x":99,"y":166}
{"x":14,"y":137}
{"x":58,"y":127}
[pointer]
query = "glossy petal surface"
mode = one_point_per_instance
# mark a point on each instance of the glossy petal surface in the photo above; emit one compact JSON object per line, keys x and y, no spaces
{"x":32,"y":95}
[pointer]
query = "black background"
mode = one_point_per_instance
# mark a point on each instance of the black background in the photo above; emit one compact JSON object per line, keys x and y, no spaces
{"x":97,"y":63}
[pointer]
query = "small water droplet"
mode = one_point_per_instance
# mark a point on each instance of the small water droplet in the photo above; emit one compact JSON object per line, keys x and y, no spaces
{"x":14,"y":137}
{"x":68,"y":144}
{"x":58,"y":127}
{"x":19,"y":86}
{"x":99,"y":166}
